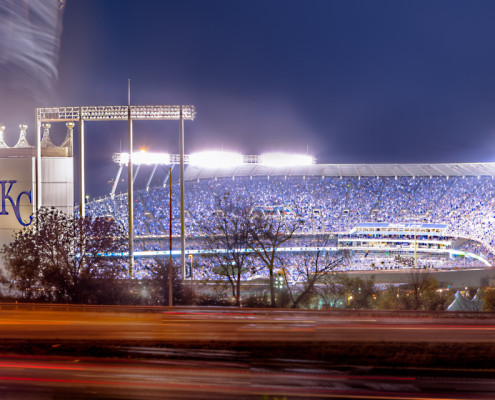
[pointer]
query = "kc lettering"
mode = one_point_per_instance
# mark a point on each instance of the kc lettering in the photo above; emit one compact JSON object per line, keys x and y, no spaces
{"x":6,"y":188}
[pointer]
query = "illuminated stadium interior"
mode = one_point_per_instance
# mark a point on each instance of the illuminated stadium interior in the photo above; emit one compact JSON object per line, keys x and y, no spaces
{"x":377,"y":215}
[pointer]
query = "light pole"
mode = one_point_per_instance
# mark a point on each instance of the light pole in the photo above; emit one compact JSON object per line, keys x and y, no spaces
{"x":415,"y":248}
{"x":114,"y":113}
{"x":191,"y":258}
{"x":170,"y":269}
{"x":182,"y":207}
{"x":130,"y":183}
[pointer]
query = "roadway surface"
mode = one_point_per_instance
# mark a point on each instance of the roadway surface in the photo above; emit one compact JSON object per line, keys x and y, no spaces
{"x":43,"y":378}
{"x":148,"y":372}
{"x":238,"y":326}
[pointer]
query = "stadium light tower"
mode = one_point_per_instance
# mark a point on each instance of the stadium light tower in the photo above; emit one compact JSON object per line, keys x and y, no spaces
{"x":115,"y":113}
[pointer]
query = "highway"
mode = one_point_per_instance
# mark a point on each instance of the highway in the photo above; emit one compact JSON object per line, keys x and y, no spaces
{"x":148,"y":366}
{"x":29,"y":377}
{"x":238,"y":326}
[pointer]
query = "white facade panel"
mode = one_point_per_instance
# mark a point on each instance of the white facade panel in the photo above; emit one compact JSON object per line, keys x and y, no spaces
{"x":58,"y":183}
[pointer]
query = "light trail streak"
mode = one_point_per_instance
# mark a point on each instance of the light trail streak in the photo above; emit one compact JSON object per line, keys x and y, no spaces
{"x":10,"y":322}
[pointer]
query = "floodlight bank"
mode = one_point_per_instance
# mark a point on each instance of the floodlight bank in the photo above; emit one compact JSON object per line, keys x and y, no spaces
{"x":216,"y":159}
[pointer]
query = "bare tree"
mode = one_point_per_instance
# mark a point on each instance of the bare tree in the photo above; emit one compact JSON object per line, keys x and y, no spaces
{"x":268,"y":232}
{"x":228,"y":234}
{"x":422,"y":294}
{"x":344,"y":291}
{"x":309,"y":269}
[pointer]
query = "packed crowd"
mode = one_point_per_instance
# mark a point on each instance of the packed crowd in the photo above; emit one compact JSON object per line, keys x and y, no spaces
{"x":323,"y":204}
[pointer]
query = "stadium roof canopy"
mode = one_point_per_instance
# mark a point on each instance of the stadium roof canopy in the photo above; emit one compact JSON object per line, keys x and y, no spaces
{"x":341,"y":170}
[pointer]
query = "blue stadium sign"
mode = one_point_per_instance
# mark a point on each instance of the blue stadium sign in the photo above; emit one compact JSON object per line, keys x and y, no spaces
{"x":9,"y":197}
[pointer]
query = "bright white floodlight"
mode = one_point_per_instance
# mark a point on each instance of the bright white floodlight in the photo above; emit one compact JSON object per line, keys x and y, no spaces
{"x":142,"y":157}
{"x":215,"y":159}
{"x":285,"y":160}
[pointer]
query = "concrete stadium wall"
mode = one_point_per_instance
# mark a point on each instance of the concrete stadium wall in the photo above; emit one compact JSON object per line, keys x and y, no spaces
{"x":456,"y":279}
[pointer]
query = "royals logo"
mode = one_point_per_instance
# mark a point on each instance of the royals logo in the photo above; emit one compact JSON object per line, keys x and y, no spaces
{"x":7,"y":197}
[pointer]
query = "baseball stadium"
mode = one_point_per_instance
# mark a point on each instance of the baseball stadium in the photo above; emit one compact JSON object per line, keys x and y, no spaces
{"x":371,"y":217}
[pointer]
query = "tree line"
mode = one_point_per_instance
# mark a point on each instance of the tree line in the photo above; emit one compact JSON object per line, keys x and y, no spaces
{"x":64,"y":258}
{"x":312,"y":280}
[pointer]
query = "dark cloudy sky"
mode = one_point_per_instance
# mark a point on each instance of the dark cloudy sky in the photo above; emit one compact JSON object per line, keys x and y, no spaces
{"x":356,"y":81}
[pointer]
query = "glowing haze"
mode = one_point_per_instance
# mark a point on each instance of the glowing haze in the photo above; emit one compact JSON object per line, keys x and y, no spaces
{"x":360,"y":81}
{"x":30,"y":33}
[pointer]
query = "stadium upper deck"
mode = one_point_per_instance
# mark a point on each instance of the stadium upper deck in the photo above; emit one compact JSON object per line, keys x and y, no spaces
{"x":346,"y":170}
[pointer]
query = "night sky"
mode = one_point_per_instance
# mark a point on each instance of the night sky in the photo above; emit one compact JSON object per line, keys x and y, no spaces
{"x":352,"y":81}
